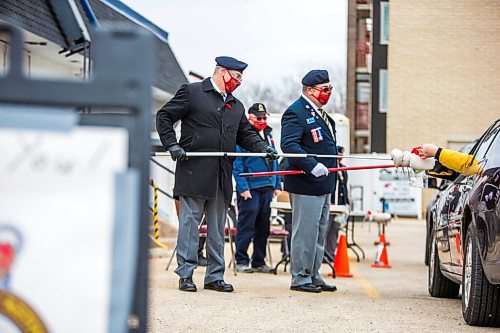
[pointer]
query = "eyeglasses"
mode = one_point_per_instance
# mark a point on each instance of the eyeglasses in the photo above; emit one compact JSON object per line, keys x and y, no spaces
{"x":324,"y":89}
{"x":237,"y":75}
{"x":259,"y":118}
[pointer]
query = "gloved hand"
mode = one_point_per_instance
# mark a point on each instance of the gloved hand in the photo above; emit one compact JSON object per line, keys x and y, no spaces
{"x":319,"y":170}
{"x":177,"y":153}
{"x":272,"y":154}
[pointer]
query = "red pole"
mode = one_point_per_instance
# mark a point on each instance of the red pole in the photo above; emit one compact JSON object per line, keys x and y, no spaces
{"x":362,"y":167}
{"x":298,"y":172}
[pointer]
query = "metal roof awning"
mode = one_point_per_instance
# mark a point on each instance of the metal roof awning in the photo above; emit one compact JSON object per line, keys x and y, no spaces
{"x":71,"y":25}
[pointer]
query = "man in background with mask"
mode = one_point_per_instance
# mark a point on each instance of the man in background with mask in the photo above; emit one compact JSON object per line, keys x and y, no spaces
{"x":307,"y":129}
{"x":213,"y":120}
{"x":254,"y":198}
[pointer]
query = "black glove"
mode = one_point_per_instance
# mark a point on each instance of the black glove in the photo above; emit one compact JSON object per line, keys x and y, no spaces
{"x":272,"y":154}
{"x":177,"y":153}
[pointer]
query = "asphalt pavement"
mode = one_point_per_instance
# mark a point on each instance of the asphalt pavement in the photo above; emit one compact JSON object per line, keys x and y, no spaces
{"x":374,"y":300}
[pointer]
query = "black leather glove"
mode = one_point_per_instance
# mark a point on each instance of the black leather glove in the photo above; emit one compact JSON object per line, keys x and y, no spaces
{"x":177,"y":153}
{"x":272,"y":154}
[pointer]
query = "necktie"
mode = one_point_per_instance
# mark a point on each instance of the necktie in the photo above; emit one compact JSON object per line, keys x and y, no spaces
{"x":325,"y":118}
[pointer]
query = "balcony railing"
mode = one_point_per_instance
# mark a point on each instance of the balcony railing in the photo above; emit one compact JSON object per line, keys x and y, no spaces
{"x":363,"y":8}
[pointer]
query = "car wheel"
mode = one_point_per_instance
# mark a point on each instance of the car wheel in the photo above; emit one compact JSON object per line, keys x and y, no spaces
{"x":439,"y":285}
{"x":480,"y":299}
{"x":427,"y":243}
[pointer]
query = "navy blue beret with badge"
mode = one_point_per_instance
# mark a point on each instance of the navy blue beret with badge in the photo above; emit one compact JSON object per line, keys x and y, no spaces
{"x":231,"y":63}
{"x":316,"y":76}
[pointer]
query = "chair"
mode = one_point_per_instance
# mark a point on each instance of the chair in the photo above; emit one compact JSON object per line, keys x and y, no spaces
{"x":278,"y":231}
{"x":229,"y":232}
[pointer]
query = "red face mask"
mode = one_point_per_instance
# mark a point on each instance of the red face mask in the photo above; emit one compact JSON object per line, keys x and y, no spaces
{"x":231,"y":84}
{"x":258,"y":124}
{"x":322,"y":97}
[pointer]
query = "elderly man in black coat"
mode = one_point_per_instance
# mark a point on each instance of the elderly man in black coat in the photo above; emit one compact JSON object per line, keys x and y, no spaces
{"x":213,"y":120}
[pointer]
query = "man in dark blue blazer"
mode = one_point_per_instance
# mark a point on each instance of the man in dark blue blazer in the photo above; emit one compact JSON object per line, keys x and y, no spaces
{"x":306,"y":128}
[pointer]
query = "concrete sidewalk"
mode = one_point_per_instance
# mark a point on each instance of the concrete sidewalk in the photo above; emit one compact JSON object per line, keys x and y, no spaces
{"x":380,"y":300}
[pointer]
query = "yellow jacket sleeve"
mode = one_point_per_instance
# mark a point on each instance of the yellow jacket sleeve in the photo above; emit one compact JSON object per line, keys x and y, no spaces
{"x":463,"y":163}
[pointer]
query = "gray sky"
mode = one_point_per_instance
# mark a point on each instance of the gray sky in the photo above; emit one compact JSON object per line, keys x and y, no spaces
{"x":276,"y":38}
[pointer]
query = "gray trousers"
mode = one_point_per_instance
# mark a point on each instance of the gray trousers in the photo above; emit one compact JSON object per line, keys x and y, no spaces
{"x":190,"y":215}
{"x":309,"y":223}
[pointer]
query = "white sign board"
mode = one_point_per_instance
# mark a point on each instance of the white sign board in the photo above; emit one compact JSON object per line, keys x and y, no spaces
{"x":56,"y":221}
{"x":368,"y":187}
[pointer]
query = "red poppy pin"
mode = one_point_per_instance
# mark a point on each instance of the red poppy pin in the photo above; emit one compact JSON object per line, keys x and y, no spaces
{"x":228,"y":106}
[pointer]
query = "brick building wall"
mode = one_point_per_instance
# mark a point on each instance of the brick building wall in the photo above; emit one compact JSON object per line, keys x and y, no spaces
{"x":444,"y":71}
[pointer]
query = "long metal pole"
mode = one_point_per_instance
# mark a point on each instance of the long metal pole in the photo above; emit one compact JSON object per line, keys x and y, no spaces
{"x":233,"y":154}
{"x":299,"y":172}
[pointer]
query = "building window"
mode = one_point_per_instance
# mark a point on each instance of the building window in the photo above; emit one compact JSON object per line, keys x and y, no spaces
{"x":384,"y":22}
{"x":363,"y":92}
{"x":382,"y":102}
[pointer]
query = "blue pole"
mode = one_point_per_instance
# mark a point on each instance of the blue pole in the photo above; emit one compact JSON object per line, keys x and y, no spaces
{"x":90,"y":14}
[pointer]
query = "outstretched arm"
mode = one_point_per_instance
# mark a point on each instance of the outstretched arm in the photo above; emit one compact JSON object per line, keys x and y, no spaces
{"x":457,"y":161}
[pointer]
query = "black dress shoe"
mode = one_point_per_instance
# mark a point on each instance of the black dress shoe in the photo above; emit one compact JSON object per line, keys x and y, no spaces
{"x":309,"y":288}
{"x":219,"y":285}
{"x":187,"y":284}
{"x":327,"y":287}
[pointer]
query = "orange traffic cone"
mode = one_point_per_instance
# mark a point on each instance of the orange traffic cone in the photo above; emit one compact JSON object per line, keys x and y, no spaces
{"x":382,"y":260}
{"x":341,"y":263}
{"x":381,"y":240}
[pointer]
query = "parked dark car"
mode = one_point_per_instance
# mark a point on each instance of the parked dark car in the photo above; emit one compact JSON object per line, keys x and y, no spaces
{"x":440,"y":185}
{"x":465,"y":239}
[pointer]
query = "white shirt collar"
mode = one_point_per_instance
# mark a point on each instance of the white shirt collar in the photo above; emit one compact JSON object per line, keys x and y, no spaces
{"x":216,"y":87}
{"x":312,"y":104}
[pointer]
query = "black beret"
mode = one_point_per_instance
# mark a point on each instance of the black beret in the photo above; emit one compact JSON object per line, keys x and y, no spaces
{"x":314,"y":77}
{"x":231,"y":63}
{"x":258,"y":109}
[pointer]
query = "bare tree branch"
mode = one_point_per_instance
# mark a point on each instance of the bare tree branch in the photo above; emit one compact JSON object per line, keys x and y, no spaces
{"x":278,"y":97}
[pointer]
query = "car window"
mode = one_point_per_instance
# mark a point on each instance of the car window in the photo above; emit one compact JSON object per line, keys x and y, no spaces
{"x":486,"y":143}
{"x":493,"y":153}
